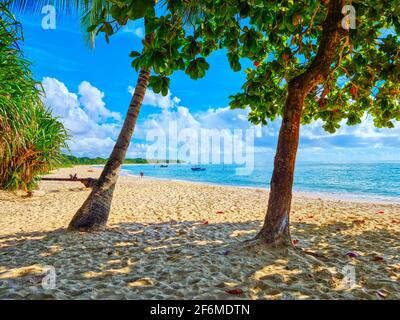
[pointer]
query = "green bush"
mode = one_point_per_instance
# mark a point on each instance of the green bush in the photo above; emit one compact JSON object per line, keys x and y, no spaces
{"x":30,"y":138}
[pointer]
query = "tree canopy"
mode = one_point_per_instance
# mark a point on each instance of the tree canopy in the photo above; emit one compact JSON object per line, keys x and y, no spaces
{"x":282,"y":38}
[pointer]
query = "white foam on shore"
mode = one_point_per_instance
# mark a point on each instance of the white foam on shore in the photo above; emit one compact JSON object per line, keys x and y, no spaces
{"x":334,"y":196}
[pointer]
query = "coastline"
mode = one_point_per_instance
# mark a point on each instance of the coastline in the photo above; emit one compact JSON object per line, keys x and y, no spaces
{"x":184,"y":240}
{"x":334,"y":196}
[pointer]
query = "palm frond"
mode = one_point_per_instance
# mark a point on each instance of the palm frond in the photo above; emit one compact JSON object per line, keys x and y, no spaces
{"x":187,"y":10}
{"x":88,"y":10}
{"x":30,"y":138}
{"x":62,"y":6}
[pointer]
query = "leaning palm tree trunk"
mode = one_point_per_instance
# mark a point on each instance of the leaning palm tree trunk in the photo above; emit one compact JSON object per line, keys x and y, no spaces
{"x":93,"y":214}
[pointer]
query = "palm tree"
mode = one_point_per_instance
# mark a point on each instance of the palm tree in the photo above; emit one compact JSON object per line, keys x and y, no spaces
{"x":93,"y":214}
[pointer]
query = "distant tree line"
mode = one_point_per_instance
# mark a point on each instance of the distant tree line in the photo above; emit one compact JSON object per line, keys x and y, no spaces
{"x":70,"y":160}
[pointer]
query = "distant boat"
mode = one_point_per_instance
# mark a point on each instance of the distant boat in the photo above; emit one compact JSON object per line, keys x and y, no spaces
{"x":164,"y":166}
{"x":198,"y":169}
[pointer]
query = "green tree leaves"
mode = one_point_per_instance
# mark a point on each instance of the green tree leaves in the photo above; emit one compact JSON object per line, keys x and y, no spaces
{"x":138,"y":8}
{"x":233,"y":58}
{"x":197,"y":68}
{"x":159,"y":84}
{"x":282,"y":39}
{"x":285,"y":37}
{"x":191,"y":48}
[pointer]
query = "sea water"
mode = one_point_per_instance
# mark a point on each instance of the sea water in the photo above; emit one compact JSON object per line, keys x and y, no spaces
{"x":369,"y":181}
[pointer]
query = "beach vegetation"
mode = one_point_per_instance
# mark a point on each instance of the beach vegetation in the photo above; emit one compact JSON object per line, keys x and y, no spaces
{"x":70,"y":161}
{"x":31,"y":139}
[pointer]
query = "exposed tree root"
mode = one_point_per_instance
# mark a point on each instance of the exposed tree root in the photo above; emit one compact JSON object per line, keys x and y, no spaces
{"x":314,"y":254}
{"x":259,"y":244}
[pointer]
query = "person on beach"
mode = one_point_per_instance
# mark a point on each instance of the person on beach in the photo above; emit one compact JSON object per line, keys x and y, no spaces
{"x":141,"y":174}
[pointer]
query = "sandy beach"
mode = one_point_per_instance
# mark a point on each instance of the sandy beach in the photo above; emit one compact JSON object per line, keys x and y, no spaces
{"x":180,"y":240}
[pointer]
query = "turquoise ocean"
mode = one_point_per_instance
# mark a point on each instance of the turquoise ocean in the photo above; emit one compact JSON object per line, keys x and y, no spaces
{"x":368,"y":181}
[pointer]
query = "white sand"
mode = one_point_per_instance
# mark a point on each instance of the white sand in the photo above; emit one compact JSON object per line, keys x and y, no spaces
{"x":157,"y":246}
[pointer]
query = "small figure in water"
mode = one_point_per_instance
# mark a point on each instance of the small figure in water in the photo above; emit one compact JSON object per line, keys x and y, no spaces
{"x":141,"y":175}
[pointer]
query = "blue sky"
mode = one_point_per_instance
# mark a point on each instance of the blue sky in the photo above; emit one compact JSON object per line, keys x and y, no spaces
{"x":90,"y":91}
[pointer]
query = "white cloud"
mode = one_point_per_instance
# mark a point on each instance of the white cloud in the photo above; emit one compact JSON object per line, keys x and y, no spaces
{"x":93,"y":147}
{"x":131,"y":28}
{"x":139,"y":32}
{"x":363,"y":131}
{"x":177,"y":124}
{"x":92,"y":126}
{"x":157,"y":99}
{"x":367,"y":130}
{"x":91,"y":99}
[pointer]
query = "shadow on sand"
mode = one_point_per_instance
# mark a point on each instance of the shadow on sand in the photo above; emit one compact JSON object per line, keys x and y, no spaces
{"x":190,"y":260}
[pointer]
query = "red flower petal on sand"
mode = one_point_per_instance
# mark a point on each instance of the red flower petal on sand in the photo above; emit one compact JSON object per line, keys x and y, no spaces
{"x":220,"y":212}
{"x":295,"y":241}
{"x":380,"y":212}
{"x":235,"y":291}
{"x":205,"y":222}
{"x":377,"y":258}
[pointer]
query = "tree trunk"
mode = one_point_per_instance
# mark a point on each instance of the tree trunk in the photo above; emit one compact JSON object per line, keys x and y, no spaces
{"x":275,"y":230}
{"x":276,"y":226}
{"x":93,"y":214}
